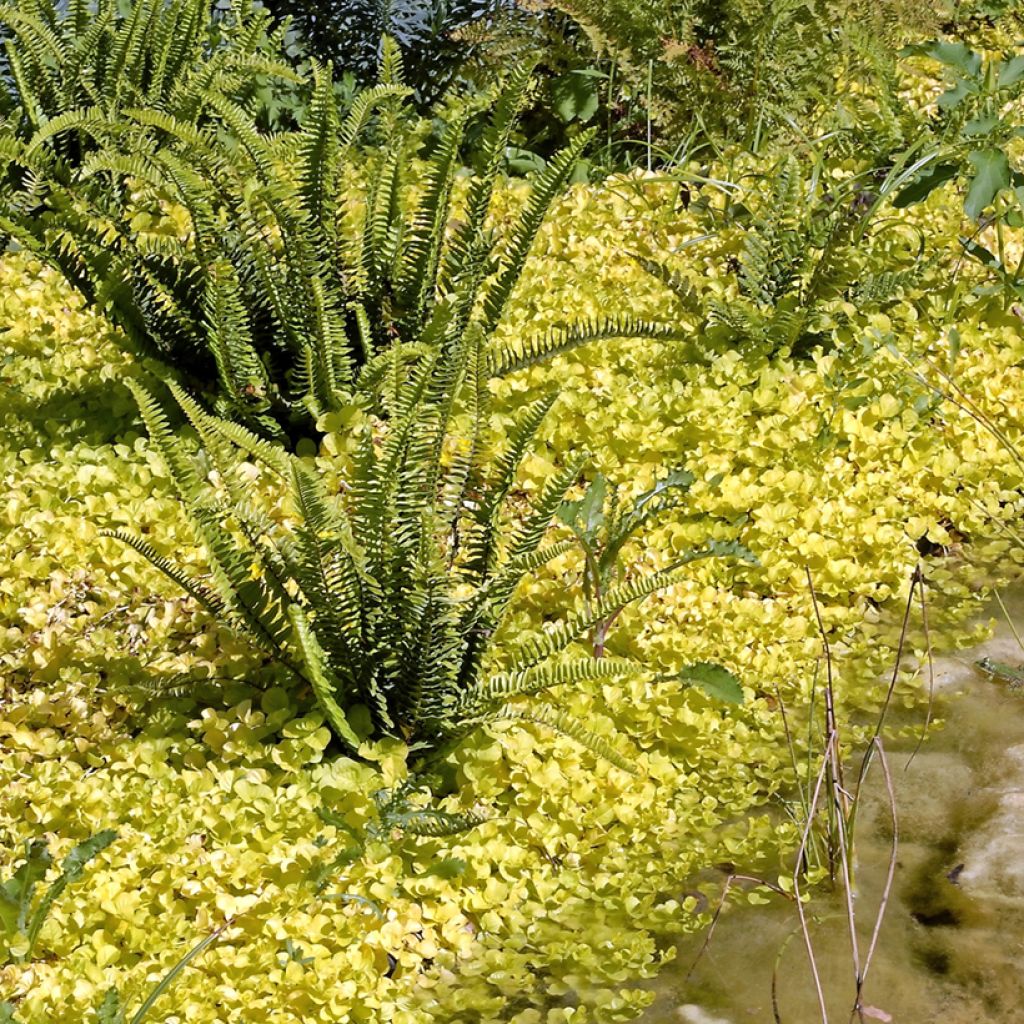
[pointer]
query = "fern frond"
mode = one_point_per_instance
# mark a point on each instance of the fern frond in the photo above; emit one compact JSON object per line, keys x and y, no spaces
{"x":543,"y":193}
{"x":466,"y":244}
{"x":506,"y":685}
{"x":416,"y":277}
{"x":566,"y":633}
{"x":317,"y":153}
{"x":532,"y":351}
{"x":204,"y":597}
{"x":433,"y":822}
{"x":324,"y":687}
{"x":675,"y":282}
{"x":180,"y":467}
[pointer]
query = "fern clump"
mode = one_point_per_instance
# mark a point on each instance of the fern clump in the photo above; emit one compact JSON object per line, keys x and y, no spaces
{"x":808,"y":248}
{"x":385,"y":598}
{"x":263,"y":298}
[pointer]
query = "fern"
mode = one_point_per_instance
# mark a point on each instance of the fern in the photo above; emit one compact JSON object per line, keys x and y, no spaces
{"x":534,"y":350}
{"x":385,"y":598}
{"x":70,"y":63}
{"x":270,"y":309}
{"x":804,"y":235}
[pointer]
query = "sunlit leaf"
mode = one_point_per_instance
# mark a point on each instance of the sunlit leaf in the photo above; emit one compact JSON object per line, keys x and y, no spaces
{"x":717,"y":682}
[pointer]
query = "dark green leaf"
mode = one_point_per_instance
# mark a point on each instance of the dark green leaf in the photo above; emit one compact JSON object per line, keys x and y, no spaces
{"x":992,"y":173}
{"x":980,"y":126}
{"x":581,"y":173}
{"x":575,"y":97}
{"x":568,"y":512}
{"x":978,"y":252}
{"x":954,"y":96}
{"x":16,"y":892}
{"x":953,"y":55}
{"x":1010,"y":72}
{"x":523,"y":161}
{"x":591,"y":508}
{"x":920,"y":189}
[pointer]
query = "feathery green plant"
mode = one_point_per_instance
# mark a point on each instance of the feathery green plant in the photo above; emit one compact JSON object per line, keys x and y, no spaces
{"x":385,"y":598}
{"x":603,"y":524}
{"x":69,"y":62}
{"x":268,"y":297}
{"x":804,"y":242}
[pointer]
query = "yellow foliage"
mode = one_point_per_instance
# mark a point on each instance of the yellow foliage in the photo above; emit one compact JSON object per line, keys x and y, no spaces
{"x":844,"y":463}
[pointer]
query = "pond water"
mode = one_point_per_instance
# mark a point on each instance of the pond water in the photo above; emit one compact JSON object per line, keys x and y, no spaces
{"x":952,"y":942}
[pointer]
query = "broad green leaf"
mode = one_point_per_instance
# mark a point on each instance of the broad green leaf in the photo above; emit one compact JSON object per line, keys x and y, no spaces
{"x":586,"y":515}
{"x":923,"y":187}
{"x":575,"y":97}
{"x":717,"y":682}
{"x":955,"y":95}
{"x":592,"y":506}
{"x":581,"y":173}
{"x":9,"y":908}
{"x":953,"y":55}
{"x":523,"y":161}
{"x":992,"y":173}
{"x":1010,"y":72}
{"x":980,"y":126}
{"x":568,"y":512}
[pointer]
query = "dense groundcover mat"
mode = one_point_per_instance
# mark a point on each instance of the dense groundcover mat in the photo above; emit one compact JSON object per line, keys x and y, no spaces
{"x":236,"y":817}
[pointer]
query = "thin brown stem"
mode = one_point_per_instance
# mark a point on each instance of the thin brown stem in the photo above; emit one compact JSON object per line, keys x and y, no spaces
{"x":915,"y":580}
{"x":931,"y":668}
{"x":890,"y":878}
{"x":711,"y":929}
{"x":796,"y":888}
